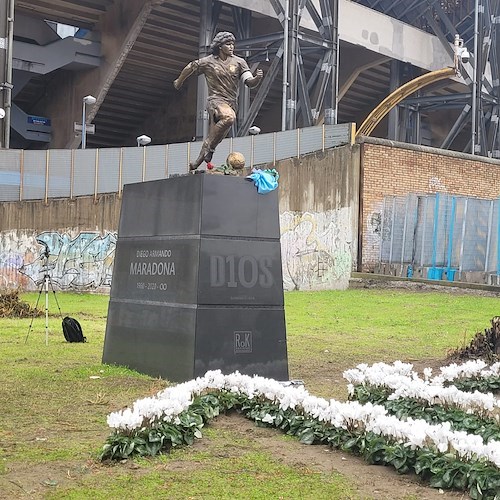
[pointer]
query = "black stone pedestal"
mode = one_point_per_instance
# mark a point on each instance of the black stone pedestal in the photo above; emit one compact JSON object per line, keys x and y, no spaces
{"x":197,"y":280}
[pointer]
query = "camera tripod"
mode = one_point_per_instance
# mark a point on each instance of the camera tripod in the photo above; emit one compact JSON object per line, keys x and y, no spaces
{"x":44,"y":287}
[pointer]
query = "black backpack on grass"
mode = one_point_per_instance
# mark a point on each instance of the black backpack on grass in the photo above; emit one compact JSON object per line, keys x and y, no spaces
{"x":72,"y":330}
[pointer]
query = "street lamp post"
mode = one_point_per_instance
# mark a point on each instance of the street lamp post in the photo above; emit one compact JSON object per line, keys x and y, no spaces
{"x":88,"y":99}
{"x":143,"y":140}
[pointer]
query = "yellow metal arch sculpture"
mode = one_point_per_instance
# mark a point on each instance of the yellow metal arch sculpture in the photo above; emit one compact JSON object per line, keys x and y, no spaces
{"x":374,"y":118}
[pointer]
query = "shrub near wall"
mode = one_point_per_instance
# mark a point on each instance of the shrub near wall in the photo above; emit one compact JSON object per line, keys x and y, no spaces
{"x":392,"y":168}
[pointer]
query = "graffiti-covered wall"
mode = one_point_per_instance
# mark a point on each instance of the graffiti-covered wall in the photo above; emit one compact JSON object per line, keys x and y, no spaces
{"x":307,"y":243}
{"x":79,"y":261}
{"x":74,"y":240}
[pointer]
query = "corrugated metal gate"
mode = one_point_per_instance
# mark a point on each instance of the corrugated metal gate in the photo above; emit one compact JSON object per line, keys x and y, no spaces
{"x":441,"y":236}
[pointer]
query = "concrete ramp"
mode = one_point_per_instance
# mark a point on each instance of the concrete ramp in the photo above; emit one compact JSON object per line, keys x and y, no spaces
{"x":69,"y":53}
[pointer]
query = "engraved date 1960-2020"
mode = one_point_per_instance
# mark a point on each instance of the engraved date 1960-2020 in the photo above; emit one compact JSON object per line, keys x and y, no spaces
{"x":151,"y":286}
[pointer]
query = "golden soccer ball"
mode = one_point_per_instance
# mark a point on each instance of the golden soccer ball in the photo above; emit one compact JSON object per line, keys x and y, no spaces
{"x":235,"y":160}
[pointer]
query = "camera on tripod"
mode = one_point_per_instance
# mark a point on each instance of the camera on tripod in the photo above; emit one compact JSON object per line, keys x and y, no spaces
{"x":46,"y":251}
{"x":71,"y":327}
{"x":45,"y":284}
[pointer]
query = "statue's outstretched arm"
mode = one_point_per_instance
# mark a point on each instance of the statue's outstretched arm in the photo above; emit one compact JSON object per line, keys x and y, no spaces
{"x":253,"y":81}
{"x":185,"y":73}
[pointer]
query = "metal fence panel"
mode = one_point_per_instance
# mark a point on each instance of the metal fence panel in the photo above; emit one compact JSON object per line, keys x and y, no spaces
{"x":108,"y":170}
{"x":59,"y":180}
{"x":156,"y":157}
{"x":84,"y":174}
{"x":335,"y":135}
{"x":263,"y":150}
{"x":442,"y":210}
{"x":475,"y":236}
{"x":497,"y":238}
{"x":493,"y":263}
{"x":455,"y":232}
{"x":34,"y":170}
{"x":386,"y":229}
{"x":10,"y":175}
{"x":286,"y":144}
{"x":398,"y":230}
{"x":178,"y":157}
{"x":311,"y":139}
{"x":132,"y":165}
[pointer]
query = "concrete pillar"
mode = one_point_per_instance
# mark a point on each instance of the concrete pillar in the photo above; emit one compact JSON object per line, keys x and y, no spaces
{"x":244,"y":98}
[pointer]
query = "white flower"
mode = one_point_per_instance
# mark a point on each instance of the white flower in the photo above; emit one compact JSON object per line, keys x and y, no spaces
{"x":268,"y":419}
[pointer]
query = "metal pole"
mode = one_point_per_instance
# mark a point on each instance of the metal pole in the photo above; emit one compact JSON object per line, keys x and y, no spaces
{"x":3,"y":64}
{"x":204,"y":41}
{"x":96,"y":174}
{"x":84,"y":126}
{"x":8,"y":82}
{"x":47,"y":162}
{"x":291,"y":103}
{"x":6,"y":45}
{"x":331,"y":97}
{"x":144,"y":162}
{"x":474,"y":78}
{"x":46,"y":283}
{"x":285,"y":65}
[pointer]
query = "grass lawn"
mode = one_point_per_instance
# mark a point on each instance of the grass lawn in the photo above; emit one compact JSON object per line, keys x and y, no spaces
{"x":54,"y":398}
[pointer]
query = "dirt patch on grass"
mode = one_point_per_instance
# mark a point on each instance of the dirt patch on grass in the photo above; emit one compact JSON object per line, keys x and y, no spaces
{"x":371,"y":481}
{"x":425,"y":287}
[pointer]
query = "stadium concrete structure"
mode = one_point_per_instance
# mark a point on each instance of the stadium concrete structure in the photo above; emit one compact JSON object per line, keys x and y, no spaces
{"x":325,"y":61}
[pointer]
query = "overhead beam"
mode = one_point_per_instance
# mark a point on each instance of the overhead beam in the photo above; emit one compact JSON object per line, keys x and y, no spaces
{"x":373,"y":30}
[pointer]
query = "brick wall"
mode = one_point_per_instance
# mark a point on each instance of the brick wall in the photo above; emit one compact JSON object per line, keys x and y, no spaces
{"x":390,"y":168}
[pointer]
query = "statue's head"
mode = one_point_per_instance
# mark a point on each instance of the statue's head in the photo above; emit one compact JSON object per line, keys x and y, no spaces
{"x":219,"y":39}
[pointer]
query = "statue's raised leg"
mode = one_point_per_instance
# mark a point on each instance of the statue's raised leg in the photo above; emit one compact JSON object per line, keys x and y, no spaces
{"x":216,"y":133}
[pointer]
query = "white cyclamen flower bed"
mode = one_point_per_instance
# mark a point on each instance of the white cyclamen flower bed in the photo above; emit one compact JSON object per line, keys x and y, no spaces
{"x":168,"y":404}
{"x":405,"y":383}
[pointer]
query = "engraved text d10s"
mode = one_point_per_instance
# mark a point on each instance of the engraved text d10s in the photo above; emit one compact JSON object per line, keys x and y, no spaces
{"x":246,"y":271}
